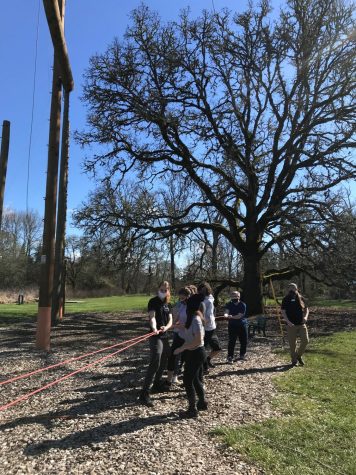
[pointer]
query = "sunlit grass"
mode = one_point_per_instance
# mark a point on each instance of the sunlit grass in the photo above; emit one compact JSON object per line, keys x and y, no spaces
{"x":14,"y":312}
{"x":317,"y":431}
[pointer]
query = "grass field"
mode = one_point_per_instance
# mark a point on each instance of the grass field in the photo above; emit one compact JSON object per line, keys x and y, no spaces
{"x":338,"y":304}
{"x":10,"y":313}
{"x":342,"y":304}
{"x":317,"y":431}
{"x":103,"y":305}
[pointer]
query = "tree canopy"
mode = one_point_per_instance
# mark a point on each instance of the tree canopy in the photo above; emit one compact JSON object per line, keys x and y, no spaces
{"x":255,"y":115}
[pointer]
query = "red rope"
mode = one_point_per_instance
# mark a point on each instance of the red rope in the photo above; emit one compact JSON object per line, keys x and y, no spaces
{"x":40,"y":370}
{"x":56,"y":381}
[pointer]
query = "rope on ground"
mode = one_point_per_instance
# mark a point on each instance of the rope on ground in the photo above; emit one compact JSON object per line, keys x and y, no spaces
{"x":59,"y":380}
{"x":40,"y":370}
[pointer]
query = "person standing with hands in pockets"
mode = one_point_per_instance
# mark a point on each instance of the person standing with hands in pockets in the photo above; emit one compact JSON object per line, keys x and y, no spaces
{"x":160,"y":320}
{"x":235,"y":312}
{"x":295,"y":313}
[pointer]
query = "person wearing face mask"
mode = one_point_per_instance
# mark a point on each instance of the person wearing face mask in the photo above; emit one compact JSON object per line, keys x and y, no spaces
{"x":179,"y":319}
{"x":160,"y":320}
{"x":235,"y":312}
{"x":295,"y":313}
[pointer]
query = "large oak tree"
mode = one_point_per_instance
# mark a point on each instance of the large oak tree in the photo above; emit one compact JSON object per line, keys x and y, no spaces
{"x":256,"y":112}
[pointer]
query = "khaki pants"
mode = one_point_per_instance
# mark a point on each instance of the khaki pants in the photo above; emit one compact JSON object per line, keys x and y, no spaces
{"x":300,"y":331}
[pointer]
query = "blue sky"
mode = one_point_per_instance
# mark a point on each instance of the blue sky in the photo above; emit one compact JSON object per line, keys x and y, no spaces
{"x":90,"y":26}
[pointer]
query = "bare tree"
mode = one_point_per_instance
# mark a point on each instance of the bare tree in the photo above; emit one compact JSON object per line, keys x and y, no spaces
{"x":257,"y":115}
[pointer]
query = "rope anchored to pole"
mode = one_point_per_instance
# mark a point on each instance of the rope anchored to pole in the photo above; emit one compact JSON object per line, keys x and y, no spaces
{"x":40,"y":370}
{"x":59,"y":380}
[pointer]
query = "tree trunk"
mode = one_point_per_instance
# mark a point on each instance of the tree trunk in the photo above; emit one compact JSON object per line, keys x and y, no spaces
{"x":214,"y":255}
{"x":173,"y":265}
{"x":252,"y":291}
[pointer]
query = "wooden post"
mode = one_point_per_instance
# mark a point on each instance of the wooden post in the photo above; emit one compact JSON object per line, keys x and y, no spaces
{"x":55,"y":19}
{"x":57,"y":306}
{"x":49,"y":229}
{"x":277,"y":311}
{"x":4,"y":155}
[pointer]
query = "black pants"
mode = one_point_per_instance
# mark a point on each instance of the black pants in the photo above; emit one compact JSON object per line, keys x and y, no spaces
{"x":192,"y":377}
{"x":240,"y":332}
{"x":159,"y":353}
{"x":174,"y":360}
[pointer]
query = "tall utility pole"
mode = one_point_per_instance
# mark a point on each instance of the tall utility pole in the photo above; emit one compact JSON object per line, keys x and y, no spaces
{"x":59,"y":281}
{"x":49,"y":227}
{"x":4,"y":155}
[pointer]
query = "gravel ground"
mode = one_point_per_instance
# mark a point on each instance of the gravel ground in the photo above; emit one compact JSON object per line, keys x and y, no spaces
{"x":91,"y":423}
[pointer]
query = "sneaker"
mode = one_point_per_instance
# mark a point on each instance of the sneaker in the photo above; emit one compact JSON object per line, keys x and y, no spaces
{"x":175,"y":379}
{"x":229,"y":360}
{"x":242,"y":358}
{"x":202,"y":405}
{"x":144,"y":398}
{"x":300,"y":361}
{"x":294,"y":363}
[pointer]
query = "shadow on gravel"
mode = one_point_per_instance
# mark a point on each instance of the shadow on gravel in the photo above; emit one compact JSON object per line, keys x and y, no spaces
{"x":99,"y":434}
{"x":242,"y":372}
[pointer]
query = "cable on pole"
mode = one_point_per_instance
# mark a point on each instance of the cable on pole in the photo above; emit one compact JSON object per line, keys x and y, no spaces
{"x":33,"y":107}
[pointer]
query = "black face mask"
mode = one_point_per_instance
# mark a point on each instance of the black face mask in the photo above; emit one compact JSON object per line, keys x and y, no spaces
{"x":235,"y":300}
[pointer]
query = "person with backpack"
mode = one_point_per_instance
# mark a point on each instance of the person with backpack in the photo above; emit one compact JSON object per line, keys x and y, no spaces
{"x":295,"y":313}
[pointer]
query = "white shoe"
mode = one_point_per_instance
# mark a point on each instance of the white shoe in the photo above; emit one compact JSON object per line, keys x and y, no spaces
{"x":175,"y":379}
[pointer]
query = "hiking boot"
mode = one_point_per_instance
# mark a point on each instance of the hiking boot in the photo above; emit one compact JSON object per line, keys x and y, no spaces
{"x":145,"y":399}
{"x":202,"y":405}
{"x":229,"y":360}
{"x":300,"y":361}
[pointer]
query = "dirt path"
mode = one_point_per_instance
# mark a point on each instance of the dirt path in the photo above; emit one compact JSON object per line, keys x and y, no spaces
{"x":91,"y":423}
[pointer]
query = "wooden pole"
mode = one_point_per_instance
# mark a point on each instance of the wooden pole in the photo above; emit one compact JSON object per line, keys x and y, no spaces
{"x":56,"y":28}
{"x":4,"y":155}
{"x":49,"y":229}
{"x":57,"y":306}
{"x":277,"y":311}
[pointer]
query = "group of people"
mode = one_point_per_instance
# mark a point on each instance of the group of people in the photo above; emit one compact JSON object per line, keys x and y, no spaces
{"x":195,"y":341}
